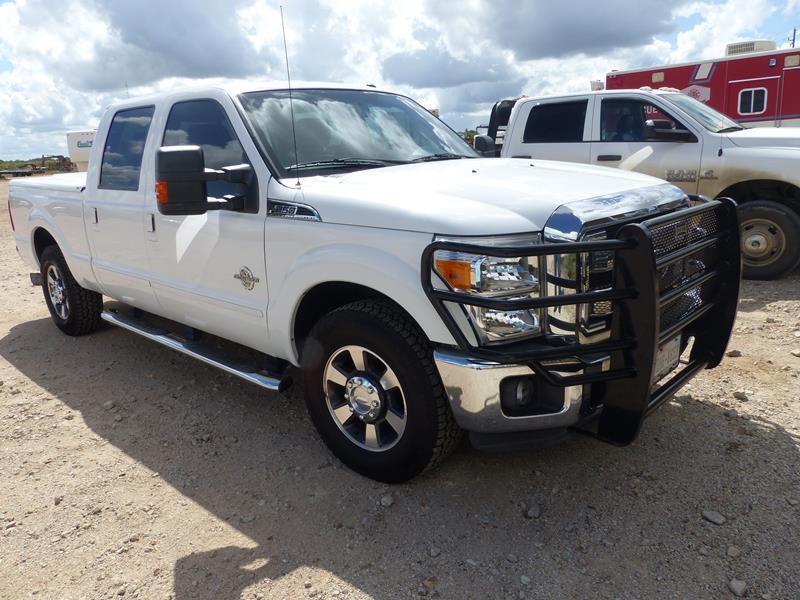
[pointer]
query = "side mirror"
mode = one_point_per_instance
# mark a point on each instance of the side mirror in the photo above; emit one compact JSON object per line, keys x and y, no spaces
{"x":484,"y":145}
{"x":181,"y":181}
{"x":661,"y":131}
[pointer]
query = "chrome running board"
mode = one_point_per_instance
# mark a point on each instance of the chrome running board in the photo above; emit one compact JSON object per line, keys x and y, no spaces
{"x":170,"y":340}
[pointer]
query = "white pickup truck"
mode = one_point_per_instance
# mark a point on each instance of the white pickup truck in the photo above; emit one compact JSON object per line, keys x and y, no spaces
{"x":671,"y":136}
{"x":421,"y":290}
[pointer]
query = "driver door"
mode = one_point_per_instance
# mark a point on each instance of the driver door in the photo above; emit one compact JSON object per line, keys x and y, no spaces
{"x":635,"y":134}
{"x":208,"y":271}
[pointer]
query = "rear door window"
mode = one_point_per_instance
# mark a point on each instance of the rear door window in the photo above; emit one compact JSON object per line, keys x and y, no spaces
{"x":122,"y":155}
{"x":557,"y":122}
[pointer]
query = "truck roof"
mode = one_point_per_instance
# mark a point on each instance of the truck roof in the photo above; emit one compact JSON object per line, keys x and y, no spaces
{"x":236,"y":88}
{"x":597,"y":92}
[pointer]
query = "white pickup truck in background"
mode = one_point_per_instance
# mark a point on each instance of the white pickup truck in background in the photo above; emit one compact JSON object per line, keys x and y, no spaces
{"x":420,"y":290}
{"x":674,"y":137}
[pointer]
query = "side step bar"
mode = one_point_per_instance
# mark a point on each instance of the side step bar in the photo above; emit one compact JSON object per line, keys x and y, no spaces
{"x":260,"y":378}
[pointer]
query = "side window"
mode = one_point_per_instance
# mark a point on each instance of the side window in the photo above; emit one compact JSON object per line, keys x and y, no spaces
{"x":560,"y":122}
{"x":122,"y":155}
{"x":204,"y":123}
{"x":627,"y":120}
{"x":753,"y":101}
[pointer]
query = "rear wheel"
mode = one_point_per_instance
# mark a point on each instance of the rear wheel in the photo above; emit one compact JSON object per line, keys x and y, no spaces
{"x":770,"y":238}
{"x":75,"y":310}
{"x":374,"y":394}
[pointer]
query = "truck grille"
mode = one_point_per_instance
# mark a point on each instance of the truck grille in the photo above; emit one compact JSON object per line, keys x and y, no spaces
{"x":683,"y":306}
{"x":674,"y":236}
{"x":669,"y":237}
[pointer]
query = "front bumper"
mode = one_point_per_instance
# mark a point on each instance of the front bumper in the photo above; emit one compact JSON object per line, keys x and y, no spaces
{"x":651,"y":306}
{"x":473,"y":387}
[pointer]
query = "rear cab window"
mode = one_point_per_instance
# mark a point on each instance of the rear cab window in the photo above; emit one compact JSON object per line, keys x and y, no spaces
{"x":124,"y":148}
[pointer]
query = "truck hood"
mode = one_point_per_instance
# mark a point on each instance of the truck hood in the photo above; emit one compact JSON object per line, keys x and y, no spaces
{"x":482,"y":196}
{"x":766,"y":137}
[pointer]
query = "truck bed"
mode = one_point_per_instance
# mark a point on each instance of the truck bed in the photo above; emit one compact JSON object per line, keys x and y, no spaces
{"x":63,"y":182}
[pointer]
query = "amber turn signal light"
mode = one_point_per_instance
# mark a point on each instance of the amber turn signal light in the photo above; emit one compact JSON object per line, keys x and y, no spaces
{"x":455,"y":272}
{"x":162,"y":192}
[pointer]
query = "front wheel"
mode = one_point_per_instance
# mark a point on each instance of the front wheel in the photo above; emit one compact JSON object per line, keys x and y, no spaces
{"x":770,"y":234}
{"x":374,"y":394}
{"x":75,"y":310}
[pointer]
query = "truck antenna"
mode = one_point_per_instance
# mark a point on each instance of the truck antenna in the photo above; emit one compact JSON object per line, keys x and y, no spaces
{"x":291,"y":104}
{"x":793,"y":39}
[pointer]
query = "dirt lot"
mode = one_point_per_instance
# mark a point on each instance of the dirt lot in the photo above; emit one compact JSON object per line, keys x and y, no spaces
{"x":129,"y":470}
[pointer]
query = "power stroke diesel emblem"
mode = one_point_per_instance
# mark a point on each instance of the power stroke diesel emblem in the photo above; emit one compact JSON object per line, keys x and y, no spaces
{"x":245,"y":275}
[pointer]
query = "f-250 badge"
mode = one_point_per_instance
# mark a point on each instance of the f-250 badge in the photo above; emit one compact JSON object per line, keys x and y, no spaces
{"x":681,"y":175}
{"x":245,"y":275}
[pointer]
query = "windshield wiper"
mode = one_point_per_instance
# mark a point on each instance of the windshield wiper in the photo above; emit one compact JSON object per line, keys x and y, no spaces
{"x":440,"y":156}
{"x":729,"y":129}
{"x":343,"y":163}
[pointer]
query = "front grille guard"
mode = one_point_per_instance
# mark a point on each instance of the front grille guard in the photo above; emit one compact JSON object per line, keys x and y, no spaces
{"x":624,"y":392}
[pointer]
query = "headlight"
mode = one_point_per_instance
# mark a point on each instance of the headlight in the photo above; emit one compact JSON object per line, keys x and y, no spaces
{"x":496,"y":277}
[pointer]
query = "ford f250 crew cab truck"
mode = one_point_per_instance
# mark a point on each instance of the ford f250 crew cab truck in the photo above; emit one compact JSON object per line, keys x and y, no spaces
{"x":672,"y":136}
{"x":421,"y":290}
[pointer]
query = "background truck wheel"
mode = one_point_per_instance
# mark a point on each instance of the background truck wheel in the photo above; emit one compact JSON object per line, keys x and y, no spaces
{"x":770,"y":239}
{"x":374,"y":394}
{"x":75,"y":310}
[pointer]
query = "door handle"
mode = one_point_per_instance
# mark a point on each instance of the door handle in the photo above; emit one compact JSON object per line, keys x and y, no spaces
{"x":152,"y":223}
{"x":609,"y":157}
{"x":96,"y":220}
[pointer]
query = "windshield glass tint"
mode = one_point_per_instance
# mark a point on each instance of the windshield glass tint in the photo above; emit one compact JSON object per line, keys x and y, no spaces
{"x":707,"y":116}
{"x":342,"y":125}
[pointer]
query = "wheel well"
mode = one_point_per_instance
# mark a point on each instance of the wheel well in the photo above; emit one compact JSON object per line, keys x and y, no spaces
{"x":764,"y":189}
{"x":41,"y":240}
{"x":326,"y":297}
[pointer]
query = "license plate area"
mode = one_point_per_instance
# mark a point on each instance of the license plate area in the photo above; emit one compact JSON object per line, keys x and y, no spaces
{"x":667,"y":357}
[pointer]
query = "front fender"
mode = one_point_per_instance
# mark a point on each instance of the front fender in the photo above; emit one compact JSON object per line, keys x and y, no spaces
{"x":385,"y":261}
{"x":737,"y":165}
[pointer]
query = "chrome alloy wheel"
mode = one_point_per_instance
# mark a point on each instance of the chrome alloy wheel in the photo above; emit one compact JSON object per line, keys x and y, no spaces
{"x":364,"y":398}
{"x":763,"y":241}
{"x":57,"y":292}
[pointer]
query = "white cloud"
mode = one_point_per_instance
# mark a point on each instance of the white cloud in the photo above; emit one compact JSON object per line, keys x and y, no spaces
{"x":721,"y":24}
{"x":70,"y":59}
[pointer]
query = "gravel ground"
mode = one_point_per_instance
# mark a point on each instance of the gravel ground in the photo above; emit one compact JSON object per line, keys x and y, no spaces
{"x":129,"y":470}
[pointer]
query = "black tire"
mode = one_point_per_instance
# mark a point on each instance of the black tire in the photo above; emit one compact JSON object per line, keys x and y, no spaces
{"x":779,"y":225}
{"x":379,"y":327}
{"x":83,"y":307}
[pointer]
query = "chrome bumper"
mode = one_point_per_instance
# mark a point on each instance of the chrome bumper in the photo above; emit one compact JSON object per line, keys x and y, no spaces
{"x":473,"y":387}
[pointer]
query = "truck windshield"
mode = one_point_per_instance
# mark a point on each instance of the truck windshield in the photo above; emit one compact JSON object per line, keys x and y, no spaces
{"x":703,"y":114}
{"x":346,"y":130}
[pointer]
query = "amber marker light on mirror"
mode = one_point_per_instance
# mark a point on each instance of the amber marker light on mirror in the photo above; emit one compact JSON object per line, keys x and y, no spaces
{"x":162,"y":192}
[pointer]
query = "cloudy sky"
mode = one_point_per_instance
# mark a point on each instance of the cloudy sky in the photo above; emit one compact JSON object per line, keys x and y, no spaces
{"x":62,"y":63}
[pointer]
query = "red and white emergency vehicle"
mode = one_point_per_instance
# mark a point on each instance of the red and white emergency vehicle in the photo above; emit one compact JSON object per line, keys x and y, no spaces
{"x":754,"y":84}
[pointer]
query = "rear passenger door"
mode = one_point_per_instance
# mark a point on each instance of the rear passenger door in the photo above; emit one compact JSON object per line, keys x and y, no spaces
{"x":553,"y":129}
{"x":114,"y":209}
